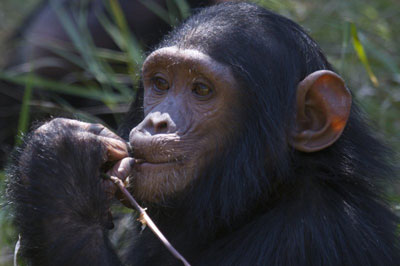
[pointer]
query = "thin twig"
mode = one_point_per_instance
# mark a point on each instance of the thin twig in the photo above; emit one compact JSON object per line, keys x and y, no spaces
{"x":16,"y":250}
{"x":146,"y":220}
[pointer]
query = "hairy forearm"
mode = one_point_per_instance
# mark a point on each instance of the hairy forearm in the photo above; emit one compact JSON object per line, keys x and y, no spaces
{"x":60,"y":206}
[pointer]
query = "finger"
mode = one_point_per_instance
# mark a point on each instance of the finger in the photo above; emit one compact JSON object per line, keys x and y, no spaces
{"x":116,"y":149}
{"x":96,"y":129}
{"x":122,"y":168}
{"x":100,"y":130}
{"x":116,"y":146}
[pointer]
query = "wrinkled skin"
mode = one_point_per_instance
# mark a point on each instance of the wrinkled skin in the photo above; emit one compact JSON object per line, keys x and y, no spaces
{"x":114,"y":148}
{"x":189,"y":102}
{"x":189,"y":105}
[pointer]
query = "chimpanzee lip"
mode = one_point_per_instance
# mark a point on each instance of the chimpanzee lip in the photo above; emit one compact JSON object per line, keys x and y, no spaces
{"x":142,"y":161}
{"x":138,"y":161}
{"x":144,"y":165}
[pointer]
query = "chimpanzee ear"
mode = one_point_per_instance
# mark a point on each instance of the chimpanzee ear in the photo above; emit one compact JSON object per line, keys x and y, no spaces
{"x":323,"y":108}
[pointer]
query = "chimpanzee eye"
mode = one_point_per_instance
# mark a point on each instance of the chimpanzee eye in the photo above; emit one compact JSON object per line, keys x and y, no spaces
{"x":201,"y":89}
{"x":160,"y":84}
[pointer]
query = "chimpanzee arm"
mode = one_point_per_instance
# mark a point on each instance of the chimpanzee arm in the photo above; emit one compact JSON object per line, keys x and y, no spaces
{"x":61,"y":208}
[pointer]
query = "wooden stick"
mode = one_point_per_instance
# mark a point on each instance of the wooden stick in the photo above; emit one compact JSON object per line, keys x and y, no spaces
{"x":145,"y":219}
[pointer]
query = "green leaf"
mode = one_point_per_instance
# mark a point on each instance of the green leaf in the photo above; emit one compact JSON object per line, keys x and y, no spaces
{"x":23,"y":121}
{"x":130,"y":45}
{"x":183,"y":7}
{"x":49,"y":85}
{"x":358,"y":47}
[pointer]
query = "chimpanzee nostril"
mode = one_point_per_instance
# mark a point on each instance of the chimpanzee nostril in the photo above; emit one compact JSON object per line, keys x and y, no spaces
{"x":157,"y":123}
{"x":161,"y":127}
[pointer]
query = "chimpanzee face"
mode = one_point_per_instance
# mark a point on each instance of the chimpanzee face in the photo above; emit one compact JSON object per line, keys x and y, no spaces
{"x":189,"y":106}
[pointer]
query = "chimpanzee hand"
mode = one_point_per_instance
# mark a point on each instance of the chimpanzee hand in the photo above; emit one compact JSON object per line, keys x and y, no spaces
{"x":58,"y":192}
{"x":121,"y":169}
{"x":113,"y":148}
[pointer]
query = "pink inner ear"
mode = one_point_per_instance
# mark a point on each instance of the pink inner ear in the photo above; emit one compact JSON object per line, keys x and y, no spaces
{"x":323,"y":109}
{"x":338,"y":124}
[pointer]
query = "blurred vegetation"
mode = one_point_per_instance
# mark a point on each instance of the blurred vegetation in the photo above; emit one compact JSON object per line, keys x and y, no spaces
{"x":360,"y":37}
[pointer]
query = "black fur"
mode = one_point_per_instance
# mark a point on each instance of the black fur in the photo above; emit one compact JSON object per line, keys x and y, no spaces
{"x":259,"y":202}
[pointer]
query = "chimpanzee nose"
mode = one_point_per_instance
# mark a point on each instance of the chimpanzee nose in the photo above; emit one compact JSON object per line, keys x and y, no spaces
{"x":158,"y":123}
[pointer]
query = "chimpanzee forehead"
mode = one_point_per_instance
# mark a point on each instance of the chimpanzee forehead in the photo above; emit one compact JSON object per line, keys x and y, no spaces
{"x":194,"y":59}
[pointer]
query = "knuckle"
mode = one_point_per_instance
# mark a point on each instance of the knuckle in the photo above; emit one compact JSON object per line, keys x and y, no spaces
{"x":59,"y":121}
{"x":50,"y":125}
{"x":96,"y":128}
{"x":98,"y":125}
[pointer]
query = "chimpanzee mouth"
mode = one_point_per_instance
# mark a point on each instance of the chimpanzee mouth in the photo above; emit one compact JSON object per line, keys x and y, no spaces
{"x":139,"y":163}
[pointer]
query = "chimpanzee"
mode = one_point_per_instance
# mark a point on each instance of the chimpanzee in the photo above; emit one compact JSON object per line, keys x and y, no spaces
{"x":250,"y":152}
{"x":34,"y":46}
